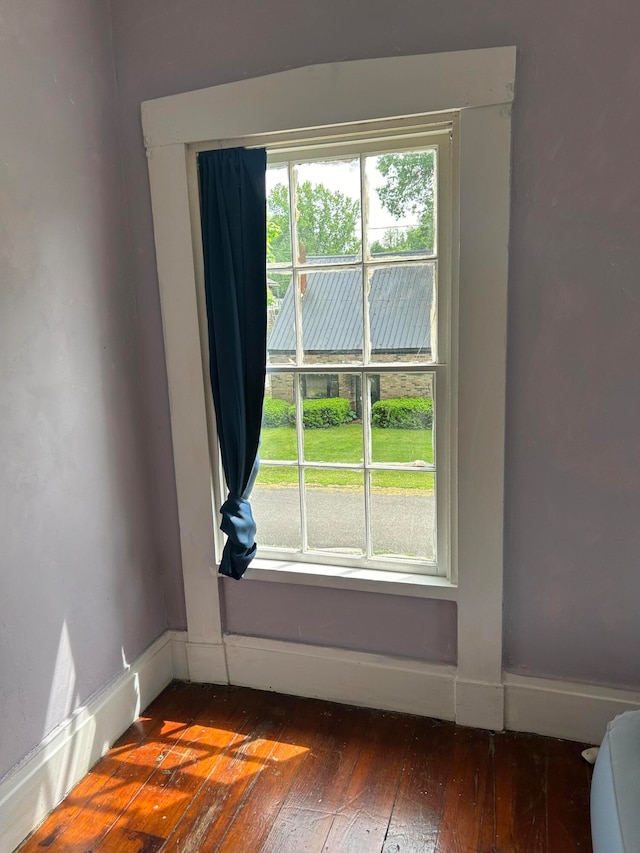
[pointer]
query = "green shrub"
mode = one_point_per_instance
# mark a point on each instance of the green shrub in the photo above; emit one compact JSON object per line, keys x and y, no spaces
{"x":317,"y":414}
{"x":403,"y":413}
{"x":277,"y":413}
{"x":320,"y":414}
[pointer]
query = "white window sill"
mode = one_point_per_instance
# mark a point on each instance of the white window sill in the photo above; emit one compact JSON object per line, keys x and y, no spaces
{"x":364,"y":580}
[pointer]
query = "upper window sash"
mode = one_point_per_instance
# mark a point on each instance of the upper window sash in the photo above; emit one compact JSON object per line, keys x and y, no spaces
{"x":437,"y":134}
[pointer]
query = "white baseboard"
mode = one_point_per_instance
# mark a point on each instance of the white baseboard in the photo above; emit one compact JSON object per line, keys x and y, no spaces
{"x":207,"y":663}
{"x":62,"y":760}
{"x":479,"y":704}
{"x":179,"y":654}
{"x":339,"y":675}
{"x":521,"y":703}
{"x":562,"y":708}
{"x":202,"y":663}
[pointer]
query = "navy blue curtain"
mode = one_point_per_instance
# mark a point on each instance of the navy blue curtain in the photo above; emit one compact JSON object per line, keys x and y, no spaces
{"x":234,"y":236}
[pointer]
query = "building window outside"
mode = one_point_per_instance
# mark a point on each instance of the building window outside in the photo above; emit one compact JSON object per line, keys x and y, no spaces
{"x":320,"y":386}
{"x":357,"y":385}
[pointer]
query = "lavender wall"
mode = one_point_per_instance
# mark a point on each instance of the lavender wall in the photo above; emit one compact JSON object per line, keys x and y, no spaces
{"x":573,"y":405}
{"x":79,"y":588}
{"x":364,"y":621}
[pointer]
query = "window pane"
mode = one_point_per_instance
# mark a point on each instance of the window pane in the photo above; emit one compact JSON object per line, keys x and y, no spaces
{"x":335,"y":514}
{"x":401,"y":203}
{"x":281,"y":327}
{"x":403,"y":514}
{"x":402,"y":313}
{"x":278,"y":437}
{"x":328,"y":211}
{"x":332,"y":407}
{"x":402,"y":418}
{"x":278,"y":215}
{"x":331,"y":316}
{"x":275,"y":502}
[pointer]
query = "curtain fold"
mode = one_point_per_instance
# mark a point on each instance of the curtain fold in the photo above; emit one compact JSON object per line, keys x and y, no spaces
{"x":234,"y":237}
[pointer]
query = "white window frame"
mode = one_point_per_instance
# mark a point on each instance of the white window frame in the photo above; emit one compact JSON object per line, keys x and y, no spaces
{"x":478,"y":86}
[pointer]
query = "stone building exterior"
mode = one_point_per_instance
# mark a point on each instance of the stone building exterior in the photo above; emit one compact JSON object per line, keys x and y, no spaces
{"x":401,"y":317}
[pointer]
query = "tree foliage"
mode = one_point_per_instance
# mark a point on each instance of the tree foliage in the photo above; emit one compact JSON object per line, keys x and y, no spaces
{"x":274,"y":232}
{"x":327,"y":222}
{"x":407,"y":191}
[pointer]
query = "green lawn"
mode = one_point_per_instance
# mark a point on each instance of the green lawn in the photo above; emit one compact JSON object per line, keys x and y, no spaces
{"x":344,"y":444}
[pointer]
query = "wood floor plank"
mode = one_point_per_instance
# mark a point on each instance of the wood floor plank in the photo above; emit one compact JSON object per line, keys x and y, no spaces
{"x":521,"y":793}
{"x":465,"y":794}
{"x":568,"y":777}
{"x":417,"y":813}
{"x":363,"y":817}
{"x":298,"y":830}
{"x":126,"y":767}
{"x":158,"y":806}
{"x":253,"y":820}
{"x":151,"y":759}
{"x":305,"y":819}
{"x":488,"y":822}
{"x":212,"y":810}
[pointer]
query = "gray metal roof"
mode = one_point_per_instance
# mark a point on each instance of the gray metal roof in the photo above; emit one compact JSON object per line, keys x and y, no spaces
{"x":400,"y":311}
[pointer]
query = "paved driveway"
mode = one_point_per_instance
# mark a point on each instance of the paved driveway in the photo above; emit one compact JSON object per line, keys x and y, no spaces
{"x":401,"y":523}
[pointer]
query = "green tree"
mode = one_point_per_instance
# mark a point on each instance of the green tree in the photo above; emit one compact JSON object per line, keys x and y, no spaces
{"x":327,"y":221}
{"x":274,"y":231}
{"x":408,"y":191}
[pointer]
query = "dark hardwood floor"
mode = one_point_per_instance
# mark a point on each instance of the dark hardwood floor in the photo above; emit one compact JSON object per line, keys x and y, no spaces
{"x":221,"y":768}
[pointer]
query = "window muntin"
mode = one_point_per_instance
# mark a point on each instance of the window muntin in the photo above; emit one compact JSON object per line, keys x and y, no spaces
{"x":338,"y":331}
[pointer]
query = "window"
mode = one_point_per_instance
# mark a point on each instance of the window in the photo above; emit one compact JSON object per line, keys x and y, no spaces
{"x":318,"y":386}
{"x":355,"y":468}
{"x":479,"y":86}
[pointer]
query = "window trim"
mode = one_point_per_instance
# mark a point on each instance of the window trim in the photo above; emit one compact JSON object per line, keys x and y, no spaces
{"x":480,"y":85}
